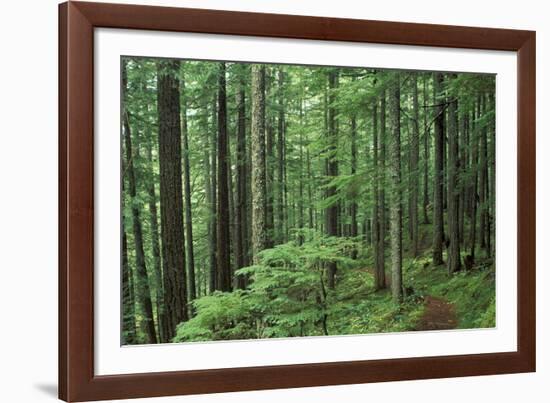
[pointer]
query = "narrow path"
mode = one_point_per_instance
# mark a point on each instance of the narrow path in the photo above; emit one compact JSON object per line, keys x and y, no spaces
{"x":438,"y":315}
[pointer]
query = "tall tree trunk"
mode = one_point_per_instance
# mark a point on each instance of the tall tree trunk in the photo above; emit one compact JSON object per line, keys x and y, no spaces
{"x":444,"y":151}
{"x":379,"y":275}
{"x":142,"y":284}
{"x":232,"y":214}
{"x":223,"y":281}
{"x":210,"y":207}
{"x":208,"y":196}
{"x":155,"y":244}
{"x":171,"y":197}
{"x":301,"y":173}
{"x":249,"y":179}
{"x":187,"y":193}
{"x":368,"y":229}
{"x":286,"y":206}
{"x":414,"y":169}
{"x":438,"y":236}
{"x":270,"y":167}
{"x":408,"y":194}
{"x":380,"y":279}
{"x":353,"y":205}
{"x":453,"y":191}
{"x":483,"y":179}
{"x":213,"y":210}
{"x":280,"y":159}
{"x":128,"y":302}
{"x":426,"y":198}
{"x":491,"y":179}
{"x":311,"y":211}
{"x":462,"y":150}
{"x":474,"y":146}
{"x":241,"y":217}
{"x":396,"y":219}
{"x":258,"y":161}
{"x":332,"y":169}
{"x":466,"y":169}
{"x":324,"y":215}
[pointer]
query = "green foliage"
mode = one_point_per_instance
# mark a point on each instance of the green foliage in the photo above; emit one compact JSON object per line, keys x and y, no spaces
{"x":364,"y":311}
{"x":287,"y":295}
{"x":487,"y":318}
{"x":220,"y":316}
{"x":473,"y":295}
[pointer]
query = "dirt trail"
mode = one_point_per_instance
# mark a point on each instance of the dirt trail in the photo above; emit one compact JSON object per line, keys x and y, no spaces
{"x":438,"y":315}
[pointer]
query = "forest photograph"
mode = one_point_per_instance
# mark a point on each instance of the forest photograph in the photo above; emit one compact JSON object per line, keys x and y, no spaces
{"x":266,"y":201}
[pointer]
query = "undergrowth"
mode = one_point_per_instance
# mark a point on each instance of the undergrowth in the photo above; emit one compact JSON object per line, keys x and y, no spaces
{"x":287,"y":295}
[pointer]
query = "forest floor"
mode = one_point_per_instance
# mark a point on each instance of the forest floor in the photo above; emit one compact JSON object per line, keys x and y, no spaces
{"x":433,"y":301}
{"x":438,"y":314}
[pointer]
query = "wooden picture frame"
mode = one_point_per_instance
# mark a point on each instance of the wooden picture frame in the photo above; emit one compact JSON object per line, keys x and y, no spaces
{"x":77,"y":21}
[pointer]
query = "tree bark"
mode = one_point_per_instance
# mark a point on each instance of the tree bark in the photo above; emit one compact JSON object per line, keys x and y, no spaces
{"x":491,"y":179}
{"x":426,"y":198}
{"x":223,"y":281}
{"x":332,"y":169}
{"x":353,"y":204}
{"x":270,"y":166}
{"x":380,"y":279}
{"x":213,"y":212}
{"x":258,"y":162}
{"x":188,"y":206}
{"x":232,"y":213}
{"x":483,"y":179}
{"x":281,"y":231}
{"x":171,"y":197}
{"x":128,"y":302}
{"x":463,"y":161}
{"x":311,"y":212}
{"x":300,"y":224}
{"x":396,"y":219}
{"x":379,"y":275}
{"x":155,"y":243}
{"x":210,"y":208}
{"x":453,"y":191}
{"x":437,"y":254}
{"x":414,"y":169}
{"x":474,"y":144}
{"x":241,"y":217}
{"x":408,"y":194}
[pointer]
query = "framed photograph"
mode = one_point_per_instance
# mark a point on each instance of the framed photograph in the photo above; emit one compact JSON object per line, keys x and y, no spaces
{"x":257,"y":201}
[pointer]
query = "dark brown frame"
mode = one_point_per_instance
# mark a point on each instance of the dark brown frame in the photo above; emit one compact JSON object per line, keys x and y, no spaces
{"x":77,"y":381}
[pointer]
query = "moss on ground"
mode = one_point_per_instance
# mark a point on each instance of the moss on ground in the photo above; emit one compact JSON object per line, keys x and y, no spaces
{"x":361,"y":310}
